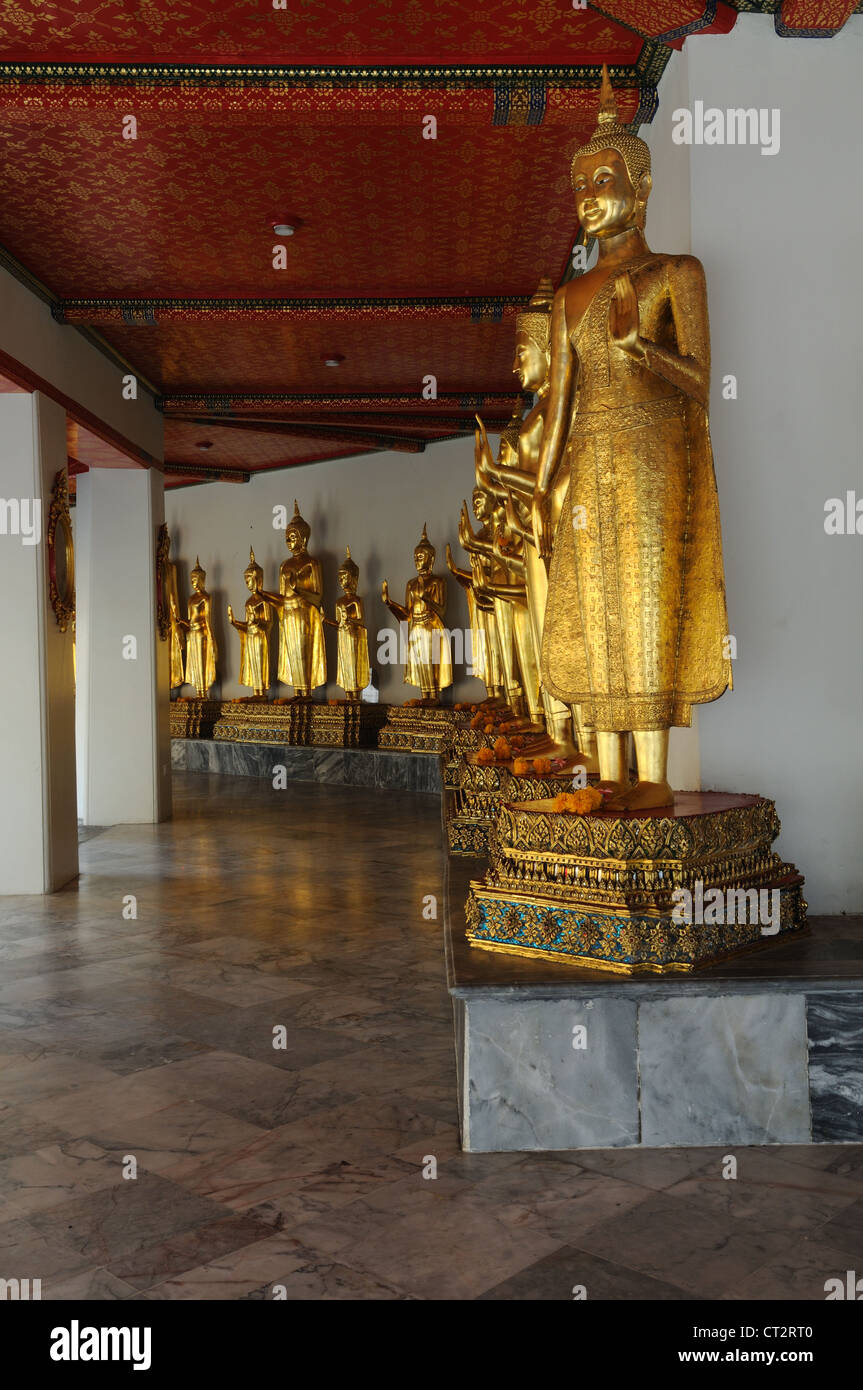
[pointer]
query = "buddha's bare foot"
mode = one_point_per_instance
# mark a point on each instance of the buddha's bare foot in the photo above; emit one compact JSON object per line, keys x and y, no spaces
{"x":612,"y":792}
{"x":644,"y":796}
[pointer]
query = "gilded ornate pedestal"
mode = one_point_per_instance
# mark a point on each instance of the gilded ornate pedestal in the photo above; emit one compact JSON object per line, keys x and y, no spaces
{"x":418,"y":729}
{"x":263,"y":721}
{"x":194,"y":718}
{"x":480,"y":791}
{"x":602,"y":890}
{"x":348,"y":724}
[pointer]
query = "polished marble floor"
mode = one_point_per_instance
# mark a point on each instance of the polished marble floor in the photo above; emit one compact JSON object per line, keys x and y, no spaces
{"x":295,"y":918}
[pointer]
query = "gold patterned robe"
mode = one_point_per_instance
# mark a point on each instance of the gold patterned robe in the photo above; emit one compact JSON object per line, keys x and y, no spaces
{"x":302,"y":655}
{"x":636,"y":621}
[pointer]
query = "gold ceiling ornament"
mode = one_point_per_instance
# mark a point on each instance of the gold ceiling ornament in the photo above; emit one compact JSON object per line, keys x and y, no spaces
{"x":611,"y":135}
{"x":61,"y":554}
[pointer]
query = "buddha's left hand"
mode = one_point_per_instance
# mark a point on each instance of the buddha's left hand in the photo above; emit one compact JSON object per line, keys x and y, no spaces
{"x":623,"y":323}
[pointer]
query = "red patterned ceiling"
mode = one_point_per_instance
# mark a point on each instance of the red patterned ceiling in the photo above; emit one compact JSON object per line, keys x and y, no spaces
{"x":251,"y":131}
{"x":314,"y":31}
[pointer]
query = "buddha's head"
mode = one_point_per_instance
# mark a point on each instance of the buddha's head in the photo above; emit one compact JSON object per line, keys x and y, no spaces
{"x":532,"y":335}
{"x":479,"y":499}
{"x":198,"y":577}
{"x":424,"y":554}
{"x":611,"y":174}
{"x":507,"y":453}
{"x":253,"y":574}
{"x":349,"y":573}
{"x":297,"y":532}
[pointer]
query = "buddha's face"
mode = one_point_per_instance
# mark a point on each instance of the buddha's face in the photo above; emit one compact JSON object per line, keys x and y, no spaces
{"x":480,"y":504}
{"x":295,"y":539}
{"x":530,"y":363}
{"x":605,"y":199}
{"x":507,"y":456}
{"x":251,"y":579}
{"x":198,"y":578}
{"x":348,"y":581}
{"x":423,"y":559}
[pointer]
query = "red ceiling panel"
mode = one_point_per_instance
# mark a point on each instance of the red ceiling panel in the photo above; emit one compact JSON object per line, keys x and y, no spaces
{"x":287,"y":357}
{"x":313,"y":32}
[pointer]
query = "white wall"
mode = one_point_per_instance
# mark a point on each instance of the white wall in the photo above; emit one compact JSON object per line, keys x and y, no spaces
{"x":63,"y":357}
{"x":780,"y":240}
{"x":375,"y":504}
{"x":38,"y":830}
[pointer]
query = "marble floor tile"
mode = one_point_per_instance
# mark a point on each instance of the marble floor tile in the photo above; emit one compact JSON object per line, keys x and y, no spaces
{"x":676,"y":1240}
{"x":568,"y":1275}
{"x":119,"y":1219}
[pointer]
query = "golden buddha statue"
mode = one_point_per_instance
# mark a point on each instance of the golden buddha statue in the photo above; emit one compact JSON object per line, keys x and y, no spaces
{"x":429,"y":663}
{"x":177,"y":635}
{"x":352,"y":673}
{"x":509,"y":589}
{"x":513,"y":479}
{"x":485,"y":650}
{"x":636,"y":617}
{"x":201,"y":650}
{"x":255,"y":631}
{"x":302,"y":657}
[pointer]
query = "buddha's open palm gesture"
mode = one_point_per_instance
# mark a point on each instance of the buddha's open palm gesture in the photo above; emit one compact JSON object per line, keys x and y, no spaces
{"x":623,"y":324}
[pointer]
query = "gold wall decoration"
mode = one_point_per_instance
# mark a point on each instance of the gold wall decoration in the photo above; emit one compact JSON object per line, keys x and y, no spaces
{"x":61,"y":554}
{"x":163,"y":583}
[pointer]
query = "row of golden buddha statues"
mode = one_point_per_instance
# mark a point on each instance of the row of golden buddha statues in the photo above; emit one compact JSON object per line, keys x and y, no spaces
{"x":297,"y":609}
{"x":595,"y":580}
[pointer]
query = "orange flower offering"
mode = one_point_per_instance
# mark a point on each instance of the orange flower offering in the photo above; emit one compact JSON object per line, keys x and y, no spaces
{"x":476,"y":721}
{"x":488,"y":729}
{"x":521,"y":767}
{"x":484,"y":756}
{"x":578,"y":803}
{"x":518,"y":741}
{"x":502,"y":750}
{"x":541,"y":766}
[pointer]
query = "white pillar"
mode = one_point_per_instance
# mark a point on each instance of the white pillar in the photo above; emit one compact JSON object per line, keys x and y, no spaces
{"x":38,"y":830}
{"x":123,"y":717}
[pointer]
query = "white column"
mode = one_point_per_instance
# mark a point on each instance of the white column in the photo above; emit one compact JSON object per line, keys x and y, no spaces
{"x":123,"y":717}
{"x":38,"y":830}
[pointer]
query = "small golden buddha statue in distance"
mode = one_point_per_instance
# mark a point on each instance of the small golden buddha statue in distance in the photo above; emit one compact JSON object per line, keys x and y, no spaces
{"x":255,"y":631}
{"x":201,"y":651}
{"x":177,"y":634}
{"x":302,"y":657}
{"x":429,"y":662}
{"x":635,"y":621}
{"x":485,"y":654}
{"x":352,"y":673}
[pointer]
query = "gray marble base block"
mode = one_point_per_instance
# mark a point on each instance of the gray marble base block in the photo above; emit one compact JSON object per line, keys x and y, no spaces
{"x":525,"y":1086}
{"x":730,"y":1070}
{"x":353,"y":767}
{"x":835,"y":1026}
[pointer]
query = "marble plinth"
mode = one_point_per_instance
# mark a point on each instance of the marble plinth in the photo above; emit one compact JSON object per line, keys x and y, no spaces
{"x":351,"y":767}
{"x":766,"y":1048}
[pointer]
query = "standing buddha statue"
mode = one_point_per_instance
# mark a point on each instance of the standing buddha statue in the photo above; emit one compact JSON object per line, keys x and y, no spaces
{"x":429,"y":663}
{"x":635,"y":622}
{"x":255,"y":631}
{"x":352,"y":673}
{"x":302,"y":657}
{"x":201,"y":650}
{"x":485,"y":650}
